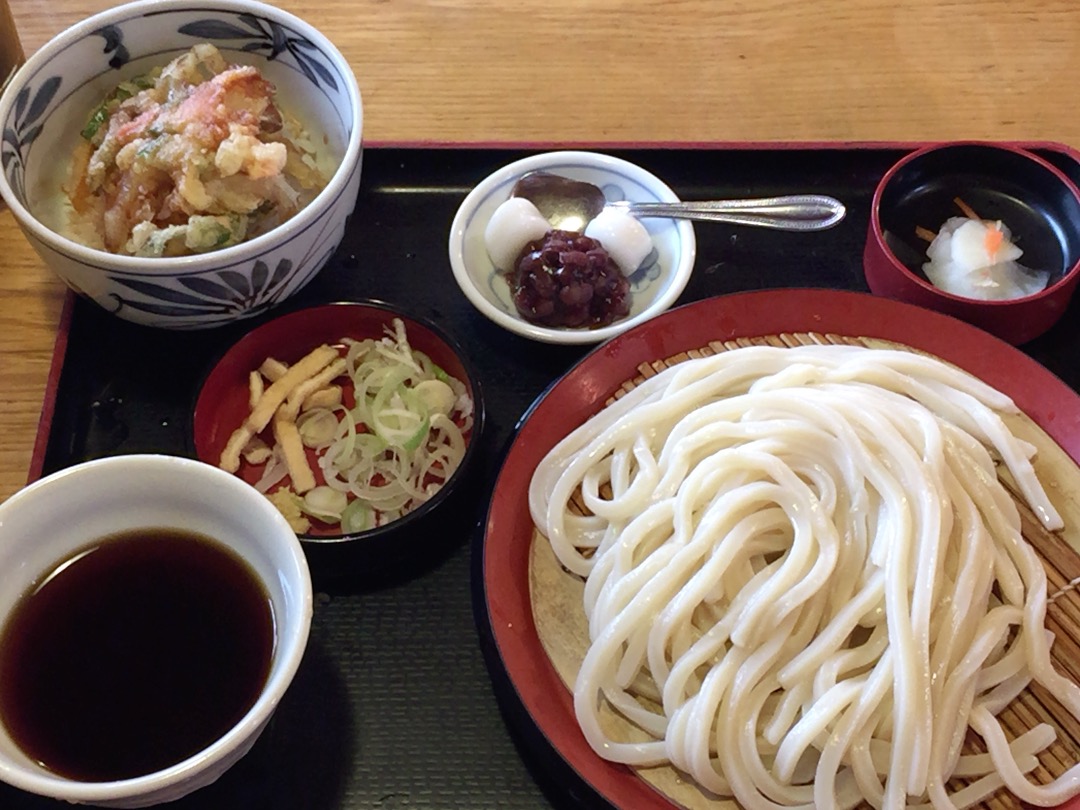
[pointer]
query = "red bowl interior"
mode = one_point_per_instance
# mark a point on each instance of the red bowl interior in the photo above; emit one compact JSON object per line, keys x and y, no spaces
{"x":222,"y":402}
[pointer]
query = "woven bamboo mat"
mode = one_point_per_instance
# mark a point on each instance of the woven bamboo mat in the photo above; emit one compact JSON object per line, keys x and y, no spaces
{"x":561,"y":625}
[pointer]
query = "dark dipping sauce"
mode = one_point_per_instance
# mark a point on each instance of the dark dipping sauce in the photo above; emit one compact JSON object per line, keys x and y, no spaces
{"x":133,"y":654}
{"x":568,"y":279}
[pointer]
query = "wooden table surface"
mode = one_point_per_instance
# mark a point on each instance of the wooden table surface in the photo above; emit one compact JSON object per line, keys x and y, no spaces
{"x":589,"y":72}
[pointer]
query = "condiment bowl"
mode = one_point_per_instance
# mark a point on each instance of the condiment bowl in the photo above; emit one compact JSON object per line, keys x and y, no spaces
{"x":51,"y":519}
{"x":49,"y":100}
{"x":222,"y":404}
{"x":655,"y":285}
{"x":1036,"y":201}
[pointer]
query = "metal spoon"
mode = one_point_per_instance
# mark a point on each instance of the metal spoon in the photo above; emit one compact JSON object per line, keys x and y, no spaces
{"x":570,"y":204}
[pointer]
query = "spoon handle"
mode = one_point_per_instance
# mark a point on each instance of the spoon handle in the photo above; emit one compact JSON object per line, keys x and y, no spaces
{"x":799,"y":212}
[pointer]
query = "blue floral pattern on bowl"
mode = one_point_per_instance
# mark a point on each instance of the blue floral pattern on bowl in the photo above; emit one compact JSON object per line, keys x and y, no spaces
{"x":218,"y":296}
{"x":25,"y":126}
{"x":114,"y":44}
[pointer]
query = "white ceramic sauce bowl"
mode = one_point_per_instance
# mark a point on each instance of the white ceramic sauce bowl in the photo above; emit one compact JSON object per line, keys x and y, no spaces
{"x":44,"y":523}
{"x":47,"y":104}
{"x":655,"y":286}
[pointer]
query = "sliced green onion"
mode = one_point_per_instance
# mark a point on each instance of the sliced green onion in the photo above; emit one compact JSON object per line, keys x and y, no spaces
{"x":100,"y":116}
{"x":397,"y":445}
{"x":370,"y":444}
{"x":325,"y":503}
{"x":417,"y":439}
{"x":357,"y":517}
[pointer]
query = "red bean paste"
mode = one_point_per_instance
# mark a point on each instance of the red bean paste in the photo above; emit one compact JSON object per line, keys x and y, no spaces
{"x":567,"y":279}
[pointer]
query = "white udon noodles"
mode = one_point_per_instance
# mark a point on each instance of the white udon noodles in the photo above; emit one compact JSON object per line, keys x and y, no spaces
{"x":805,"y":581}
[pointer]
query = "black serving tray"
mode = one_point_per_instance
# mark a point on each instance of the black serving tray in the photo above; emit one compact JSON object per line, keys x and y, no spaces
{"x":400,"y":702}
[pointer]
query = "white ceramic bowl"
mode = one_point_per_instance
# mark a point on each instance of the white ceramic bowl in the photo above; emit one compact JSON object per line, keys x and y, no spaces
{"x":655,"y":286}
{"x":46,"y":521}
{"x":48,"y":101}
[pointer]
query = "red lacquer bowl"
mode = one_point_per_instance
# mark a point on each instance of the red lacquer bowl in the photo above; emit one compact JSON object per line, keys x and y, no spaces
{"x":222,"y":405}
{"x":1038,"y":203}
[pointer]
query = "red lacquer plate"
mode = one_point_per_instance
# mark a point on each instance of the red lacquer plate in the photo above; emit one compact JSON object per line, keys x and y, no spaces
{"x":507,"y":535}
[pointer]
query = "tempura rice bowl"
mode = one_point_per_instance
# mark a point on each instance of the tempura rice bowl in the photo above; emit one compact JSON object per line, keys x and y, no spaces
{"x":47,"y":103}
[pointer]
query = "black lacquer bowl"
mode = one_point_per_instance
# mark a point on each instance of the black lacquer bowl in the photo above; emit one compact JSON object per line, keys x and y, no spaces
{"x":1035,"y":200}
